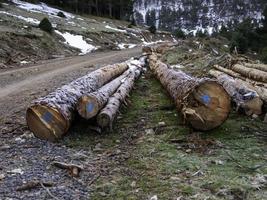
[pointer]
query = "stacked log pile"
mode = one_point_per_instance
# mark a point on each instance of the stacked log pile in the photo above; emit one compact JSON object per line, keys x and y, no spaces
{"x":50,"y":117}
{"x":203,"y":102}
{"x":246,"y":83}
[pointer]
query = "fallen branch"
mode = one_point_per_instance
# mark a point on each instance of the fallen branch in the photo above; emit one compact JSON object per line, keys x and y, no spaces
{"x":33,"y":184}
{"x":74,"y":170}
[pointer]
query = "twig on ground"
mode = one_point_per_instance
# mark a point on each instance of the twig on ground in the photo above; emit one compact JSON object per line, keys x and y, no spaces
{"x":48,"y":192}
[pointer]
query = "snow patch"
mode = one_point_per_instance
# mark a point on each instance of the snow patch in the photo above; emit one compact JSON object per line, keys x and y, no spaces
{"x":115,"y":29}
{"x":77,"y":41}
{"x":41,"y":8}
{"x":126,"y":46}
{"x":27,"y":19}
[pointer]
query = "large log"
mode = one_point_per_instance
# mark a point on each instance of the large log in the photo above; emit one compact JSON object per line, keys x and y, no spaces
{"x":107,"y":115}
{"x":50,"y":117}
{"x":261,"y":67}
{"x":239,"y":76}
{"x":245,"y":98}
{"x":204,"y":103}
{"x":250,"y":73}
{"x":90,"y":104}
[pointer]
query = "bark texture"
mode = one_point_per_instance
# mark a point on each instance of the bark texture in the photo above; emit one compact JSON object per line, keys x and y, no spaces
{"x":90,"y":104}
{"x":204,"y":103}
{"x":243,"y":96}
{"x":251,"y":73}
{"x":107,"y":115}
{"x":50,"y":117}
{"x":239,"y":76}
{"x":261,"y":67}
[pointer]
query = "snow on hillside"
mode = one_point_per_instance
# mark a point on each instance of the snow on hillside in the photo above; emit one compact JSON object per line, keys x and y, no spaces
{"x":77,"y":41}
{"x":41,"y":8}
{"x":192,"y":16}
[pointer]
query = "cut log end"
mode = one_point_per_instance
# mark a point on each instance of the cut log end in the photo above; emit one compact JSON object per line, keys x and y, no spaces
{"x":46,"y":123}
{"x":208,"y":106}
{"x":88,"y":107}
{"x":103,"y":120}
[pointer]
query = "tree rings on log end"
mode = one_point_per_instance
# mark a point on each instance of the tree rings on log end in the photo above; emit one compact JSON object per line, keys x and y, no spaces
{"x":87,"y":107}
{"x":46,"y":123}
{"x":208,"y":106}
{"x":103,"y":120}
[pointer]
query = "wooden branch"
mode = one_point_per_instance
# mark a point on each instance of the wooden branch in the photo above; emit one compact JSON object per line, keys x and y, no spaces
{"x":33,"y":184}
{"x":74,"y":170}
{"x":204,"y":103}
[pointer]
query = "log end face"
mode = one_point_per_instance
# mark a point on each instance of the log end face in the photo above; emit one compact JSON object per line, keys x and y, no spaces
{"x":209,"y":106}
{"x":87,"y":107}
{"x":103,"y":120}
{"x":46,"y":123}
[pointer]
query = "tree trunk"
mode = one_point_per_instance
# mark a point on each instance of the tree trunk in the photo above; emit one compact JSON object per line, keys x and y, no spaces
{"x":239,"y":76}
{"x":244,"y":97}
{"x":107,"y":115}
{"x":90,"y":104}
{"x":261,"y":67}
{"x":204,"y":103}
{"x":251,"y":73}
{"x":50,"y":117}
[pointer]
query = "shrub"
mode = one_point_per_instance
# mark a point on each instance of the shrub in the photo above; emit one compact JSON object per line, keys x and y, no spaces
{"x":46,"y":26}
{"x":179,"y":33}
{"x":152,"y":29}
{"x":61,"y":14}
{"x":201,"y":34}
{"x":240,"y":42}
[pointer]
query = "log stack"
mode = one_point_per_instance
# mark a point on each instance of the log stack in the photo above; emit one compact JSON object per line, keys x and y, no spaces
{"x":246,"y":83}
{"x":50,"y":117}
{"x":203,"y":102}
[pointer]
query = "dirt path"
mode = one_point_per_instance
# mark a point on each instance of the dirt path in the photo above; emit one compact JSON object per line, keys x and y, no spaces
{"x":20,"y":86}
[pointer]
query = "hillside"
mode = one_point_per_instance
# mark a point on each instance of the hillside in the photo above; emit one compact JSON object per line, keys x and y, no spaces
{"x":72,"y":35}
{"x":195,"y":15}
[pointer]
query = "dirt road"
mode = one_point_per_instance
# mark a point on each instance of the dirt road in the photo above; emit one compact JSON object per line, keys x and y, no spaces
{"x":20,"y":86}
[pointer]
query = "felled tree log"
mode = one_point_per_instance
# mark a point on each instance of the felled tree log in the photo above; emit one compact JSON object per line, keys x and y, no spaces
{"x":107,"y":115}
{"x":244,"y":97}
{"x":239,"y":76}
{"x":261,"y":67}
{"x":204,"y":103}
{"x":50,"y":117}
{"x":90,"y":104}
{"x":251,"y":73}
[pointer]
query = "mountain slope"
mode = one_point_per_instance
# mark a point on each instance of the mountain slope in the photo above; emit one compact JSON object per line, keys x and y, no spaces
{"x":196,"y":14}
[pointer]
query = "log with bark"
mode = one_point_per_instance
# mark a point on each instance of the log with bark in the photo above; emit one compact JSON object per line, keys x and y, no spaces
{"x":50,"y":117}
{"x":90,"y":104}
{"x":261,"y":67}
{"x":204,"y":102}
{"x":239,"y":76}
{"x":250,"y":73}
{"x":245,"y":98}
{"x":107,"y":115}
